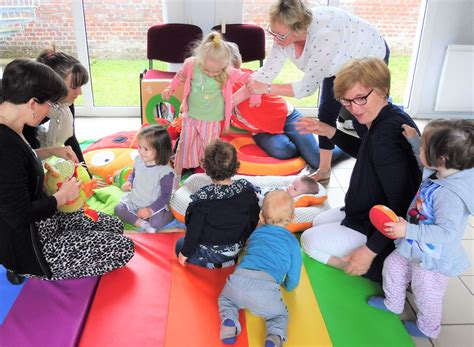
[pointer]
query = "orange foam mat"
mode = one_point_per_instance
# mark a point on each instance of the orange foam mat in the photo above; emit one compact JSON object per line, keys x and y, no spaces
{"x":193,"y":318}
{"x":130,"y":307}
{"x":306,"y":326}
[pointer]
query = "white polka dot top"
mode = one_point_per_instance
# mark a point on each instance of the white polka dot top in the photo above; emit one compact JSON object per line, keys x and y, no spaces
{"x":334,"y":37}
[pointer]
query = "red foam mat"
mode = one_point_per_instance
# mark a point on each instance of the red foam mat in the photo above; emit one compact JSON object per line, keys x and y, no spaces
{"x":130,"y":307}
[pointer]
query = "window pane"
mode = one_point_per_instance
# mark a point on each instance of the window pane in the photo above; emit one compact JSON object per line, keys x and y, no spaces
{"x":117,"y":35}
{"x":29,"y":26}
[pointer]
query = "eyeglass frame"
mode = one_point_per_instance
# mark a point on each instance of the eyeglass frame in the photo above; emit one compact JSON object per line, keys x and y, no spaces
{"x":53,"y":105}
{"x":279,"y":37}
{"x":363,"y":100}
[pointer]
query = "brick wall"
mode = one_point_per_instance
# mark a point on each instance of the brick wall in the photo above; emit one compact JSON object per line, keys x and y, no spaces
{"x":117,"y":28}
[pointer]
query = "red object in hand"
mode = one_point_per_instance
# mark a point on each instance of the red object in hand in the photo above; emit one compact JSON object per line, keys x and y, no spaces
{"x":379,"y":215}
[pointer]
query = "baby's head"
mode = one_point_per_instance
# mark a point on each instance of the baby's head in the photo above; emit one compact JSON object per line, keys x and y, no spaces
{"x":278,"y":208}
{"x":448,"y":143}
{"x":303,"y":185}
{"x":220,"y":160}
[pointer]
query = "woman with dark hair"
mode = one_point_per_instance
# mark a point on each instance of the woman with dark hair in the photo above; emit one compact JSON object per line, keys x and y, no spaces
{"x":60,"y":128}
{"x":35,"y":238}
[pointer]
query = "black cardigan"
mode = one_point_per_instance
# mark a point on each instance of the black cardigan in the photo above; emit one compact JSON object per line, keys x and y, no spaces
{"x":220,"y":222}
{"x":386,"y":172}
{"x":22,"y":202}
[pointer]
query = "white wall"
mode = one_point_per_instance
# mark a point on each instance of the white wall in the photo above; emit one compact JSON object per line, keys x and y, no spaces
{"x":447,"y":22}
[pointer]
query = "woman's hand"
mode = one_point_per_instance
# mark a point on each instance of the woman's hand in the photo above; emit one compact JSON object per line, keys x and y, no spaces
{"x":144,"y":213}
{"x":256,"y":87}
{"x":396,"y":229}
{"x":359,"y":261}
{"x":127,"y":186}
{"x":166,"y":93}
{"x":182,"y":259}
{"x":307,"y":125}
{"x":68,"y":192}
{"x":65,"y":152}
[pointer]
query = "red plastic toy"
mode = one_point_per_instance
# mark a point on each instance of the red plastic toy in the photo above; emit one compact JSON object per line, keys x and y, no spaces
{"x":379,"y":215}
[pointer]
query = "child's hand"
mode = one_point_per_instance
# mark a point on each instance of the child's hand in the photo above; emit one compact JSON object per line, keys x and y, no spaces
{"x":166,"y":93}
{"x":144,"y":213}
{"x":396,"y":229}
{"x":408,"y":131}
{"x":182,"y":259}
{"x":127,"y":186}
{"x":255,"y":100}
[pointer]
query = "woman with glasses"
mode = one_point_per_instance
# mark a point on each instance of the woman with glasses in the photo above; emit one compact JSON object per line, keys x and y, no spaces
{"x":37,"y":240}
{"x":318,"y":41}
{"x":385,"y":173}
{"x":59,"y":130}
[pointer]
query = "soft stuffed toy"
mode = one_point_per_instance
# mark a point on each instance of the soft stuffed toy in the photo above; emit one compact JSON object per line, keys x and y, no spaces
{"x":119,"y":177}
{"x":61,"y":171}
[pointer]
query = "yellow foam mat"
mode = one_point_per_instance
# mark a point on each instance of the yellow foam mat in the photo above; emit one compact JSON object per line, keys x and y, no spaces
{"x":306,"y":324}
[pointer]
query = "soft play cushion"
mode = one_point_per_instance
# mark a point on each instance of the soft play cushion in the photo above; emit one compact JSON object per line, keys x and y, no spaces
{"x":379,"y":215}
{"x":305,"y":210}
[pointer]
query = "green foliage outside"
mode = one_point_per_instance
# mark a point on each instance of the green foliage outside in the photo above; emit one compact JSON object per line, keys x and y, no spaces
{"x":116,"y":82}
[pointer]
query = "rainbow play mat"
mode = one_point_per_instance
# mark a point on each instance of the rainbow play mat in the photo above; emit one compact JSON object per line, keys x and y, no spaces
{"x":153,"y":301}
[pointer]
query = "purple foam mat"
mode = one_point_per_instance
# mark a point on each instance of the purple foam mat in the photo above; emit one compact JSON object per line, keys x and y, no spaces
{"x":48,"y":313}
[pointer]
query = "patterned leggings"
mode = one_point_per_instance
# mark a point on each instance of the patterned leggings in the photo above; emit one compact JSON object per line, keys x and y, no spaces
{"x":75,"y":246}
{"x":428,"y":288}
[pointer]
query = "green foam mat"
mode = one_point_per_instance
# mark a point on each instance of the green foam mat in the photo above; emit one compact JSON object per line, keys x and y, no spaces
{"x":350,"y":321}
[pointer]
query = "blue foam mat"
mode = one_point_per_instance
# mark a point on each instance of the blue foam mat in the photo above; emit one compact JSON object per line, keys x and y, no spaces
{"x":8,"y":294}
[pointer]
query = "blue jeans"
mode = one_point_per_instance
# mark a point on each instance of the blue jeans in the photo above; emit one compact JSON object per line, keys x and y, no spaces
{"x":292,"y":144}
{"x":210,"y":257}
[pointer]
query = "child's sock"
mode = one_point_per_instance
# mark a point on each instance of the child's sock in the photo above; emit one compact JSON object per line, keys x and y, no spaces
{"x":413,"y":329}
{"x":228,"y":332}
{"x":147,"y":227}
{"x":378,"y":302}
{"x":273,"y":341}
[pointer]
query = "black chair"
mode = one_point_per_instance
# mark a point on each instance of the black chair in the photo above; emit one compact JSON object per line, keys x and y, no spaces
{"x":249,"y":37}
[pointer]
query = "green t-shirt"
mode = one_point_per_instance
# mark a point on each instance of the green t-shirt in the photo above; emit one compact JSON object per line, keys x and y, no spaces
{"x":205,"y":101}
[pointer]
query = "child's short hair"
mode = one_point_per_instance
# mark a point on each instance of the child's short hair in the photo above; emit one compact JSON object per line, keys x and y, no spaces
{"x":158,"y":137}
{"x":278,"y":207}
{"x":449,"y":143}
{"x":213,"y":47}
{"x":311,"y":184}
{"x":220,"y":160}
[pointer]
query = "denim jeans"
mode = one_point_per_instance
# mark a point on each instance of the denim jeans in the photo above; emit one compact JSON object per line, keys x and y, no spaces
{"x":292,"y":144}
{"x":211,"y":257}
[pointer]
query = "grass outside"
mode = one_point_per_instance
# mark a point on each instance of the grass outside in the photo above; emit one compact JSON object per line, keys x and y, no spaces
{"x":116,"y":82}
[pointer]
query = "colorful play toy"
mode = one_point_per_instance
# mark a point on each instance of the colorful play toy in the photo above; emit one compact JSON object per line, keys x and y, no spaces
{"x":307,"y":205}
{"x":379,"y":215}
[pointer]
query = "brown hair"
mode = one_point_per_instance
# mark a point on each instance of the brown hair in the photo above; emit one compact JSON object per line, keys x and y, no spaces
{"x":370,"y":72}
{"x":311,"y":184}
{"x":64,"y":64}
{"x":220,"y":160}
{"x":295,"y":14}
{"x":278,"y":207}
{"x":213,"y":47}
{"x":449,"y":143}
{"x":157,"y":137}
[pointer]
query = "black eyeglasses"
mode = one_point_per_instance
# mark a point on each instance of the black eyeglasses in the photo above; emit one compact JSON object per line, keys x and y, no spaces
{"x":360,"y":100}
{"x":279,"y":37}
{"x":53,"y":105}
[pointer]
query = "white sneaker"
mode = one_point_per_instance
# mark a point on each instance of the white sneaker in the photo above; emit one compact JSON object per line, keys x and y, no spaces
{"x":348,"y":125}
{"x":147,"y":227}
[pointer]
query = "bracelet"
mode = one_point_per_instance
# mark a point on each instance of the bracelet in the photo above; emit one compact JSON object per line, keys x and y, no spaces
{"x":269,"y":88}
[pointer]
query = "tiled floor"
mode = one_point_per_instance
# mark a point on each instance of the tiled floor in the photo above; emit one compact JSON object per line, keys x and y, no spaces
{"x":458,"y":309}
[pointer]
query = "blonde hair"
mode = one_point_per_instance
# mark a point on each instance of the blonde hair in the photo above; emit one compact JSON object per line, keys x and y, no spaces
{"x":213,"y":47}
{"x":278,"y":208}
{"x":295,"y":14}
{"x":235,"y":56}
{"x":370,"y":72}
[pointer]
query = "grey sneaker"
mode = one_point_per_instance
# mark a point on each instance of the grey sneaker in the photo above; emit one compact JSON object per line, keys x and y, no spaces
{"x":273,"y":341}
